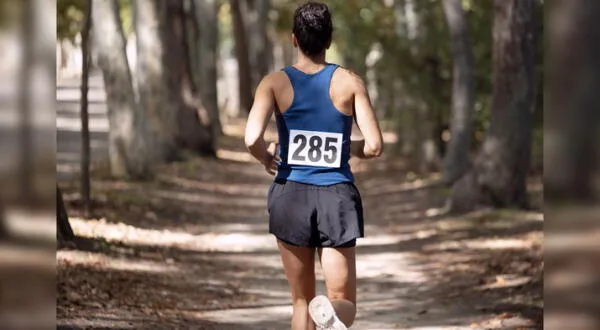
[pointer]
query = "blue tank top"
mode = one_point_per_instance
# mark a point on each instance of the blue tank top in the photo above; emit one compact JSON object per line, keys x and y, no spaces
{"x":314,"y":137}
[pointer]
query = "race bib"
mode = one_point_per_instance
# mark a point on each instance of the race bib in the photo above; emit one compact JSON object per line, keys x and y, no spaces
{"x":313,"y":148}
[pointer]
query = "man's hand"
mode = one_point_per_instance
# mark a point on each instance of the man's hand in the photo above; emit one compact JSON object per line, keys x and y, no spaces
{"x":272,"y":158}
{"x":357,"y":148}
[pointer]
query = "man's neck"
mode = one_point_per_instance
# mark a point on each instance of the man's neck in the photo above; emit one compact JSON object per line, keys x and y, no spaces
{"x":310,"y":62}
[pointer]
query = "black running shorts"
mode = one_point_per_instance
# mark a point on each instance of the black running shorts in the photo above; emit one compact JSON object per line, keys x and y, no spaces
{"x":315,"y":216}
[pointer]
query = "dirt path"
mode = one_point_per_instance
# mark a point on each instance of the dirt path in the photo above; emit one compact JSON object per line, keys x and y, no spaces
{"x":191,"y":251}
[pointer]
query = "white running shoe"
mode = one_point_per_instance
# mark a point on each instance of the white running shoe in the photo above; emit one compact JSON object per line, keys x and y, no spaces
{"x":322,"y":313}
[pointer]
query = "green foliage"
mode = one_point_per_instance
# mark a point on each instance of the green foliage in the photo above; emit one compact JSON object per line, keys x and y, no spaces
{"x":413,"y":71}
{"x":421,"y":64}
{"x":226,"y":41}
{"x":126,"y":14}
{"x":70,"y":15}
{"x":9,"y":12}
{"x":284,"y":15}
{"x":358,"y":25}
{"x":480,"y":18}
{"x":354,"y":35}
{"x":69,"y":20}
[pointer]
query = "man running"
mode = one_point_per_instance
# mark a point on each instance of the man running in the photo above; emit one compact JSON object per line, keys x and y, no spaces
{"x":313,"y":203}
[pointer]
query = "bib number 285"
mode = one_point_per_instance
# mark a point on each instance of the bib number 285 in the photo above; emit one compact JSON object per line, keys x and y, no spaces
{"x":315,"y":148}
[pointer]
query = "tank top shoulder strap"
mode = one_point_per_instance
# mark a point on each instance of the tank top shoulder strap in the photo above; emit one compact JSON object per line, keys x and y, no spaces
{"x":293,"y":74}
{"x":311,"y":87}
{"x":328,"y":72}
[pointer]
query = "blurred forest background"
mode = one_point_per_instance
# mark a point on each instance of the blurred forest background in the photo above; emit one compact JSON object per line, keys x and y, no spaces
{"x":168,"y":211}
{"x":152,"y":98}
{"x":178,"y":71}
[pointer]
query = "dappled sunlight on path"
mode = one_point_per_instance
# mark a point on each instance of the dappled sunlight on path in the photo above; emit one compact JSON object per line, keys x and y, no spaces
{"x":216,"y":238}
{"x":192,"y":250}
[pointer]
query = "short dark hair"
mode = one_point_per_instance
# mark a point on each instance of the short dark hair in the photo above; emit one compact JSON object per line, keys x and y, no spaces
{"x":313,"y":27}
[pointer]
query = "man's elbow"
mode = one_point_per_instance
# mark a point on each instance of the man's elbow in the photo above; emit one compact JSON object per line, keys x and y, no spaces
{"x":373,"y":150}
{"x":251,"y":141}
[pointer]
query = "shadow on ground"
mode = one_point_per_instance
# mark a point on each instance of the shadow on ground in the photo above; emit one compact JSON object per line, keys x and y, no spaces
{"x":191,"y":250}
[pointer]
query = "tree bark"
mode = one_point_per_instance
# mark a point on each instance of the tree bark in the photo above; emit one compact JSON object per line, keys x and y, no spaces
{"x":26,"y":154}
{"x":571,"y":113}
{"x":498,"y":177}
{"x":241,"y":53}
{"x":456,"y":159}
{"x":64,"y":56}
{"x":64,"y":232}
{"x":260,"y":49}
{"x":150,"y":72}
{"x":289,"y":53}
{"x":4,"y":233}
{"x":205,"y":14}
{"x":428,"y":123}
{"x":128,"y":152}
{"x":85,"y":129}
{"x":407,"y":128}
{"x":193,"y":120}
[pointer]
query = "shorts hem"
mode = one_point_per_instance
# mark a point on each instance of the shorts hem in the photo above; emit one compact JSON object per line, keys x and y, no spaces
{"x":308,"y":245}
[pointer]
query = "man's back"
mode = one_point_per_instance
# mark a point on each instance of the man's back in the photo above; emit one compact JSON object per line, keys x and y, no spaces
{"x":343,"y":87}
{"x":314,"y":135}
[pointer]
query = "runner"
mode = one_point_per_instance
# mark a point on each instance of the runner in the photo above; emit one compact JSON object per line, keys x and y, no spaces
{"x":313,"y":203}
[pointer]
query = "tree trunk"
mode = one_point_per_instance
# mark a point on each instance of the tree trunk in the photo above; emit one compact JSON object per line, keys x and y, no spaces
{"x":265,"y":53}
{"x":407,"y":128}
{"x":241,"y":53}
{"x":85,"y":129}
{"x":498,"y":177}
{"x":128,"y":153}
{"x":150,"y":74}
{"x":260,"y":49}
{"x":422,"y":140}
{"x":571,"y":113}
{"x":26,"y":154}
{"x":205,"y":14}
{"x":64,"y":56}
{"x":64,"y":232}
{"x":456,"y":159}
{"x":193,"y":120}
{"x":432,"y":159}
{"x":289,"y":53}
{"x":4,"y":233}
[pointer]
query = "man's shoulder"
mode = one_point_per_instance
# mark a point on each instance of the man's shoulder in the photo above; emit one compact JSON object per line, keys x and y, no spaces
{"x":275,"y":78}
{"x":347,"y":71}
{"x":348,"y":77}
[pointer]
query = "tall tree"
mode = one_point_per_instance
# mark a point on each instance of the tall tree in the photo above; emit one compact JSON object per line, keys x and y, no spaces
{"x":25,"y":100}
{"x":128,"y":152}
{"x":407,"y":124}
{"x":151,"y":79}
{"x":456,"y":159}
{"x":193,"y":120}
{"x":64,"y":232}
{"x":498,"y":177}
{"x":241,"y":53}
{"x":4,"y":233}
{"x":410,"y":90}
{"x":571,"y":113}
{"x":288,"y":51}
{"x":85,"y":128}
{"x":260,"y":49}
{"x":206,"y":24}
